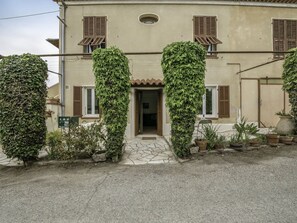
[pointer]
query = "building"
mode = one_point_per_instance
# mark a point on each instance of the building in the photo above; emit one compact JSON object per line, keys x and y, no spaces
{"x":243,"y":75}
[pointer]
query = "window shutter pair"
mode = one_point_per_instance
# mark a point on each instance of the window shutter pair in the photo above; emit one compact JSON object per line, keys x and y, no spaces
{"x":284,"y":35}
{"x":205,"y":30}
{"x":94,"y":30}
{"x":205,"y":26}
{"x":94,"y":26}
{"x":224,"y":102}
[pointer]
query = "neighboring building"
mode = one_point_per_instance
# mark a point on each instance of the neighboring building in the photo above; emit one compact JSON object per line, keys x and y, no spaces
{"x":53,"y":91}
{"x":142,"y":28}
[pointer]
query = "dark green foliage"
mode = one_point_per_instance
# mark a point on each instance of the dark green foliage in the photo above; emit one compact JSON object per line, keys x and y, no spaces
{"x":76,"y":142}
{"x":112,"y":88}
{"x":22,"y":105}
{"x":183,"y":65}
{"x":290,"y":82}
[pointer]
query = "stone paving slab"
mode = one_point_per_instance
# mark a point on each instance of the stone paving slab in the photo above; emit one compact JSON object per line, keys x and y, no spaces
{"x":140,"y":152}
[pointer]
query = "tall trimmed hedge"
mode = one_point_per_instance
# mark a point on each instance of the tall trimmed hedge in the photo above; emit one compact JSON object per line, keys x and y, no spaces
{"x":22,"y":105}
{"x":112,"y":88}
{"x":183,"y":65}
{"x":290,"y":81}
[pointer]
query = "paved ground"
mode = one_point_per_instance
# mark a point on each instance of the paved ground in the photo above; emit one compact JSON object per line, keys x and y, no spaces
{"x":141,"y":151}
{"x":255,"y":186}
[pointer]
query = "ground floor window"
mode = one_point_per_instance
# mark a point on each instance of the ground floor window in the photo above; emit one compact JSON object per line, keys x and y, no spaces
{"x":91,"y":103}
{"x":210,"y":102}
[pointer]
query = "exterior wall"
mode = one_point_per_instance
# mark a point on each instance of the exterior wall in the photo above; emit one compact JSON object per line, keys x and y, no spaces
{"x":243,"y":28}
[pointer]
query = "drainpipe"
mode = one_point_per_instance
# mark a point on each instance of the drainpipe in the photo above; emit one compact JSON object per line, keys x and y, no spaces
{"x":62,"y":59}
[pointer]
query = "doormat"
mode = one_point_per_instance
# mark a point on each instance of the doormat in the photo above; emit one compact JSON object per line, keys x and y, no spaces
{"x":149,"y":138}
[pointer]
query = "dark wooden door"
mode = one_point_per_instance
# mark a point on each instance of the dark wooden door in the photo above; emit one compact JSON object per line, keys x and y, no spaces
{"x":137,"y":97}
{"x":159,"y":114}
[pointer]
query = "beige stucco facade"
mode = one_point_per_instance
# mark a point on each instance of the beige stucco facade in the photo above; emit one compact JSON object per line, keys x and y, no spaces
{"x":240,"y":28}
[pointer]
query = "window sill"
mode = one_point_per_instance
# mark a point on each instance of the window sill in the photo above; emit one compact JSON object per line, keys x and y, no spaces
{"x":208,"y":117}
{"x":212,"y":57}
{"x":86,"y":57}
{"x":90,"y":117}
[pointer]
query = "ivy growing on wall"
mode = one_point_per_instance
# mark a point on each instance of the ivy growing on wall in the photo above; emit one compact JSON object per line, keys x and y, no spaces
{"x":22,"y":106}
{"x":183,"y":65}
{"x":290,"y":81}
{"x":112,"y":88}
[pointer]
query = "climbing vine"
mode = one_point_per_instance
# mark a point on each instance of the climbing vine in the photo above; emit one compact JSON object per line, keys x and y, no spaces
{"x":22,"y":105}
{"x":112,"y":88}
{"x":290,"y":81}
{"x":183,"y":65}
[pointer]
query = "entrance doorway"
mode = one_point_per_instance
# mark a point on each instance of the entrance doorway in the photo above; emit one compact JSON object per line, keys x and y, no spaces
{"x":148,"y":112}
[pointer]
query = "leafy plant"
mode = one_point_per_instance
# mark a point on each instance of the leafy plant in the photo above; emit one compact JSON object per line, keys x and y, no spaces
{"x":112,"y":75}
{"x":210,"y":133}
{"x":290,"y":81}
{"x":54,"y":142}
{"x":22,"y":106}
{"x":220,"y":141}
{"x":75,"y":142}
{"x":282,"y":113}
{"x":244,"y":130}
{"x":183,"y":65}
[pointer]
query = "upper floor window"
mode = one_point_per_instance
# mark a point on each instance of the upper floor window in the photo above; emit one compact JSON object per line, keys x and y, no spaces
{"x":284,"y":35}
{"x":205,"y":33}
{"x":94,"y":33}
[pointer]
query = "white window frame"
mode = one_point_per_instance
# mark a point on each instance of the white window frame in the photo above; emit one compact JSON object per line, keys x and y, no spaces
{"x":88,"y":48}
{"x":214,"y":104}
{"x":85,"y":100}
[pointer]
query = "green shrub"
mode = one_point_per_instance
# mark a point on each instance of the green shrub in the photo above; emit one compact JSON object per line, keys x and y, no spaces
{"x":76,"y":142}
{"x":183,"y":65}
{"x":112,"y":88}
{"x":290,"y":81}
{"x":54,"y":144}
{"x":22,"y":106}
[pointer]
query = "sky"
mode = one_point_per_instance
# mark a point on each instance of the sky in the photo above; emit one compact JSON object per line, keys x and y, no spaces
{"x":29,"y":34}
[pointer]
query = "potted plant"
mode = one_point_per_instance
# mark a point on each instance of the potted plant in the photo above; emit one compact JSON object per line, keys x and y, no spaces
{"x":201,"y":143}
{"x":236,"y":142}
{"x":285,"y":125}
{"x":286,"y":139}
{"x":272,"y":138}
{"x":243,"y":133}
{"x":210,"y":133}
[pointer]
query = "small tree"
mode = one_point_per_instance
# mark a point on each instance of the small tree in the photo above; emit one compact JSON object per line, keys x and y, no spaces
{"x":22,"y":106}
{"x":112,"y":88}
{"x":290,"y":81}
{"x":183,"y":65}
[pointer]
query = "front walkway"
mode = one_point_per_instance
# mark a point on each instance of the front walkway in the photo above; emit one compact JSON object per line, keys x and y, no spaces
{"x":147,"y":150}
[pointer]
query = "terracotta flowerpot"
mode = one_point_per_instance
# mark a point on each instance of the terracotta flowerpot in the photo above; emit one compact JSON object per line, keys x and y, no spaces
{"x":255,"y":142}
{"x":272,"y":139}
{"x":288,"y":140}
{"x":202,"y":144}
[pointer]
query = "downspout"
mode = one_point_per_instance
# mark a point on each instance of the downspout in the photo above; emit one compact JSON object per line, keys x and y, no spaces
{"x":62,"y":58}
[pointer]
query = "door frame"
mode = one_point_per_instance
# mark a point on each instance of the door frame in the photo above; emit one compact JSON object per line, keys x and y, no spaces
{"x":137,"y":96}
